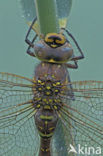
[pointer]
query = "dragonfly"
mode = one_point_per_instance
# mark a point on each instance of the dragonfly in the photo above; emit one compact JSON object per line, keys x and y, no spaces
{"x":73,"y":110}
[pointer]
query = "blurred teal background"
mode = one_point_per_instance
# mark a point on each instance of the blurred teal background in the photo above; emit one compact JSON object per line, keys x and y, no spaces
{"x":85,"y":22}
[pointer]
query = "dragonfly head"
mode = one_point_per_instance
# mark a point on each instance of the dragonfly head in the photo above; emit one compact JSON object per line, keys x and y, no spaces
{"x":55,"y":40}
{"x":54,"y":48}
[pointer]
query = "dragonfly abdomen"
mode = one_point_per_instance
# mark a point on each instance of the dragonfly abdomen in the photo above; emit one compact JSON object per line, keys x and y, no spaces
{"x":46,"y":121}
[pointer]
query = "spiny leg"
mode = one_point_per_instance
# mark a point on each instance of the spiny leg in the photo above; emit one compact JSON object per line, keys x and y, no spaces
{"x":28,"y":50}
{"x":72,"y":66}
{"x":79,"y":49}
{"x":30,"y":28}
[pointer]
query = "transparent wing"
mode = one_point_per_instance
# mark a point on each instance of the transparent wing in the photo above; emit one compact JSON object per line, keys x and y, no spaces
{"x":18,"y":134}
{"x":81,"y":119}
{"x":63,"y":10}
{"x":28,"y":9}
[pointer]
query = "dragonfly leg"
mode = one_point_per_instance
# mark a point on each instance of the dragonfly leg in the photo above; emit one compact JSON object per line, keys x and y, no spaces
{"x":77,"y":58}
{"x":79,"y":49}
{"x":30,"y":28}
{"x":73,"y":66}
{"x":28,"y":50}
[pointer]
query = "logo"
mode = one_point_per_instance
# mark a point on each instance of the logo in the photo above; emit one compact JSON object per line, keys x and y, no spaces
{"x":85,"y":150}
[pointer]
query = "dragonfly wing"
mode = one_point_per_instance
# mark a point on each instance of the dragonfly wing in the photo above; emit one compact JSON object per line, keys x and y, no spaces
{"x":18,"y":132}
{"x":84,"y":114}
{"x":64,"y":8}
{"x":81,"y":119}
{"x":28,"y":8}
{"x":63,"y":11}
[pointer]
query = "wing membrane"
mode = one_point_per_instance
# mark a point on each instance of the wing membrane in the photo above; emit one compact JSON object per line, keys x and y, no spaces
{"x":29,"y":10}
{"x":17,"y":127}
{"x":82,"y":115}
{"x":80,"y":119}
{"x":63,"y":11}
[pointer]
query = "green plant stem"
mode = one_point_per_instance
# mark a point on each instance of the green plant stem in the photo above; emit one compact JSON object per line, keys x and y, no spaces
{"x":47,"y":16}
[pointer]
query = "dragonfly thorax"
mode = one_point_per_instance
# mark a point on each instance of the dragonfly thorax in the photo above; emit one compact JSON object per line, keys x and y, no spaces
{"x":48,"y":88}
{"x":48,"y":95}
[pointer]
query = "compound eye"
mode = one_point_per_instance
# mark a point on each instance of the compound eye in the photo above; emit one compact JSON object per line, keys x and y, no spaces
{"x":55,"y":40}
{"x":49,"y":38}
{"x":60,"y":39}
